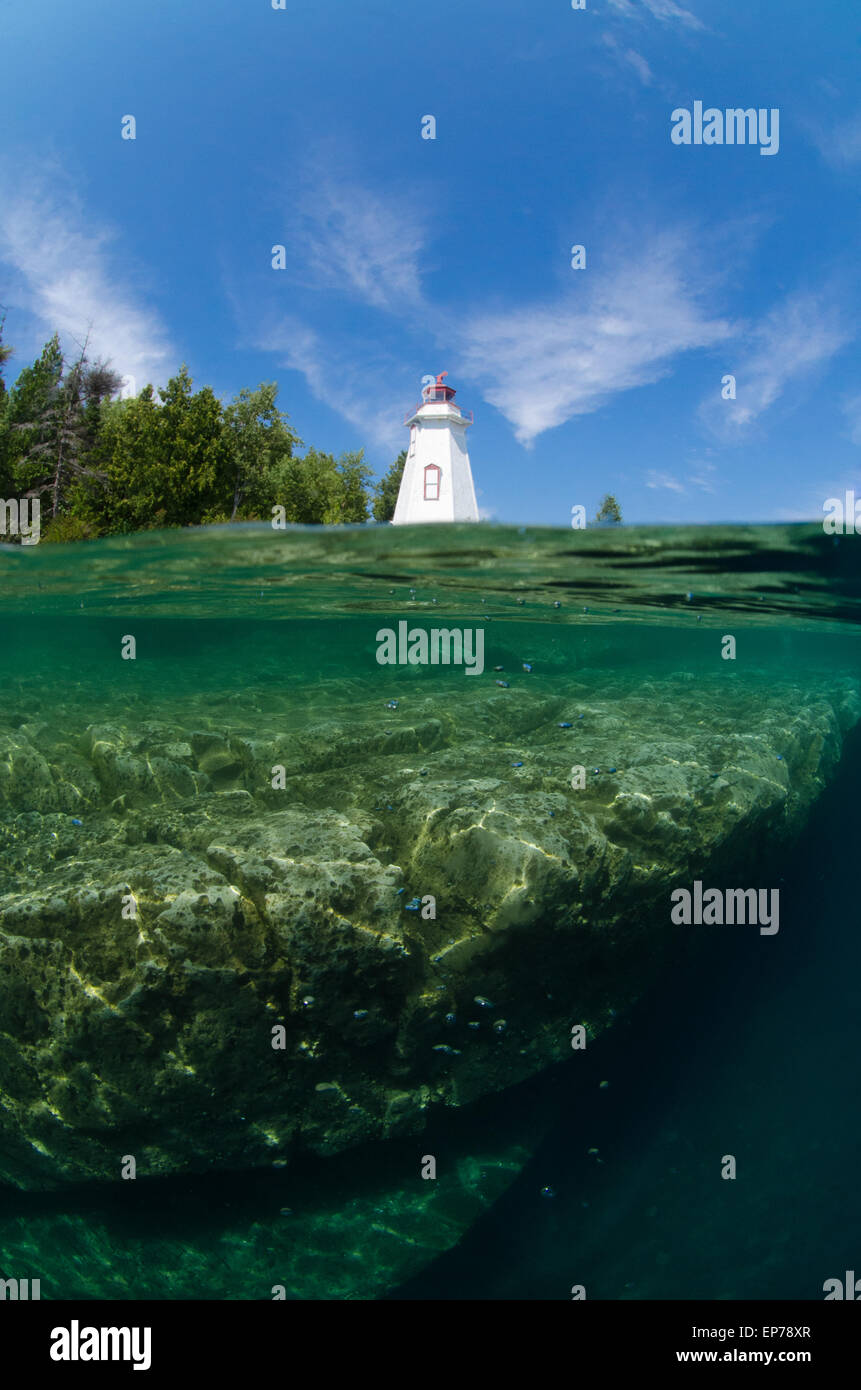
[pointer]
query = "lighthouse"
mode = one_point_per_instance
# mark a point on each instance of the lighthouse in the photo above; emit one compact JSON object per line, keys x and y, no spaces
{"x":437,"y":481}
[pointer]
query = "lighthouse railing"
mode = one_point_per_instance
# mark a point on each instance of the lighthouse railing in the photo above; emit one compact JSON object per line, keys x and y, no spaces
{"x":465,"y":415}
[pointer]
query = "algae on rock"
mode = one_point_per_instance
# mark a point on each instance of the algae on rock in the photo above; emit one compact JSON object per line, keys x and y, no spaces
{"x":166,"y":915}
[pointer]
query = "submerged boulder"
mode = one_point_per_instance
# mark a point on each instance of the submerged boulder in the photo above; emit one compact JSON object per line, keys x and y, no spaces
{"x":226,"y":944}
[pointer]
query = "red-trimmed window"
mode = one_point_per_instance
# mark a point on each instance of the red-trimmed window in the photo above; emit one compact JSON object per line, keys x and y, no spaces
{"x":433,"y":475}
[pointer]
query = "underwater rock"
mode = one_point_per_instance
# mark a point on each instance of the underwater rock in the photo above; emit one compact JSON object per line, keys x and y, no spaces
{"x":354,"y":1227}
{"x":167,"y":912}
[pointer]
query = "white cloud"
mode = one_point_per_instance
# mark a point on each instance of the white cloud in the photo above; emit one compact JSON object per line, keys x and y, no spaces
{"x":540,"y":365}
{"x":358,"y":245}
{"x":66,"y":275}
{"x":654,"y":479}
{"x":356,"y":241}
{"x":665,"y":10}
{"x":638,"y":63}
{"x":628,"y":57}
{"x":795,"y":338}
{"x":346,"y":379}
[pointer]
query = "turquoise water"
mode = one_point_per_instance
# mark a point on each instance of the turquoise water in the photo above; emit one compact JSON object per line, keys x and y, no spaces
{"x":250,"y":812}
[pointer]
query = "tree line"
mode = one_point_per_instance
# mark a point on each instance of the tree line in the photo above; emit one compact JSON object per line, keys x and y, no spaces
{"x":101,"y":465}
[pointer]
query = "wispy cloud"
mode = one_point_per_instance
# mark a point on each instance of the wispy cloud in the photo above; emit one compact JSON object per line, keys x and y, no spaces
{"x":629,"y":58}
{"x":362,"y":243}
{"x":654,"y":479}
{"x":840,"y":144}
{"x":362,"y":389}
{"x":665,"y":10}
{"x":703,"y":478}
{"x":354,"y":244}
{"x":540,"y":365}
{"x":66,"y":275}
{"x":800,"y":334}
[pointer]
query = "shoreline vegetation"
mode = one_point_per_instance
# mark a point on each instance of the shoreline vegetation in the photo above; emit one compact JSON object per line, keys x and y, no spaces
{"x":102,"y":465}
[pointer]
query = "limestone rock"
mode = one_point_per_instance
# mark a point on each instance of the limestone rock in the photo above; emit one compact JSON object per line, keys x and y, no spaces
{"x":209,"y":973}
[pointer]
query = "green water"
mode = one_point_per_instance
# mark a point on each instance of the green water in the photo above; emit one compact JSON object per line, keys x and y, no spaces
{"x":242,"y":810}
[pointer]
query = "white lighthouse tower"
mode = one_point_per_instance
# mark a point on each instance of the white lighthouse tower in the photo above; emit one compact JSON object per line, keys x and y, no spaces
{"x":437,"y":480}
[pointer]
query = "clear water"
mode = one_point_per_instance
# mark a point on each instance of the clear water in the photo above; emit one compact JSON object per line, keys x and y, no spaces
{"x":732,"y":1043}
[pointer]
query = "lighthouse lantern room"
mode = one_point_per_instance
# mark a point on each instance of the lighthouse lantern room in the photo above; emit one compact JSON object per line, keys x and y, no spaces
{"x":437,"y":480}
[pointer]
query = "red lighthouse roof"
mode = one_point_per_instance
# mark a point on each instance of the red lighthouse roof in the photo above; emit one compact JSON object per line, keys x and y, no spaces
{"x":439,"y":391}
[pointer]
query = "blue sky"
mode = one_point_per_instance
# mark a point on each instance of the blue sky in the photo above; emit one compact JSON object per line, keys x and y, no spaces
{"x":407,"y":256}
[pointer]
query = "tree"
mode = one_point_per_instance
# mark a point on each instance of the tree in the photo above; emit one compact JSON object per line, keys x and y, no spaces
{"x":258,"y":439}
{"x":351,"y":503}
{"x":44,"y":419}
{"x":387,"y":489}
{"x":27,"y":401}
{"x":175,"y":457}
{"x":195,"y":472}
{"x":100,"y":383}
{"x":5,"y":426}
{"x":164,"y":465}
{"x":5,"y":354}
{"x":319,"y":490}
{"x":52,"y":421}
{"x":128,"y":453}
{"x":609,"y":510}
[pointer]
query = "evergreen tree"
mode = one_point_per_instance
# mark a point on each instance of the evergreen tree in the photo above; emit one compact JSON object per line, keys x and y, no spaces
{"x":164,"y":465}
{"x":51,"y":424}
{"x":259,"y":439}
{"x":5,"y":353}
{"x":194,"y":474}
{"x":609,"y":510}
{"x":6,"y":486}
{"x":319,"y":490}
{"x":351,"y":501}
{"x":41,"y":420}
{"x":127,"y":452}
{"x":387,"y":489}
{"x":177,"y":458}
{"x":101,"y":383}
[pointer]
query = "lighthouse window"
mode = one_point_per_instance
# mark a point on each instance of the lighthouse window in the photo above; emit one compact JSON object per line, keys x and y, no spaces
{"x":412,"y":441}
{"x":432,"y":480}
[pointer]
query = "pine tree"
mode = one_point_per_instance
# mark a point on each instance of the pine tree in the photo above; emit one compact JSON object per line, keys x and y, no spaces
{"x":33,"y":412}
{"x":609,"y":510}
{"x":128,"y":453}
{"x":387,"y":489}
{"x":63,"y":422}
